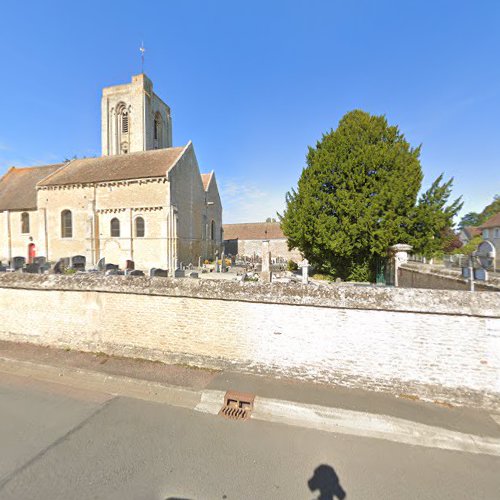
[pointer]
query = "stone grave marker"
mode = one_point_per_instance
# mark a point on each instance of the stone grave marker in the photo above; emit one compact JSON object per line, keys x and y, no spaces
{"x":32,"y":268}
{"x":18,"y":263}
{"x":158,"y":273}
{"x":305,"y":271}
{"x":78,"y":262}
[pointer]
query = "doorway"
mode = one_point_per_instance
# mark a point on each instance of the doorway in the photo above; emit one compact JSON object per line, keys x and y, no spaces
{"x":31,"y":253}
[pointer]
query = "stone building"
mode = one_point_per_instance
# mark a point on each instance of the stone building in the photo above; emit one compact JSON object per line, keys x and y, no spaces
{"x":490,"y":230}
{"x":246,"y":239}
{"x":143,"y":200}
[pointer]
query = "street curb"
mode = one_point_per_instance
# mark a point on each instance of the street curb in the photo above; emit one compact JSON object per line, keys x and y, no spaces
{"x":328,"y":419}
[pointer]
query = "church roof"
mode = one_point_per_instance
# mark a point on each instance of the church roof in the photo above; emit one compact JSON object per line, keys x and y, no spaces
{"x":206,"y":178}
{"x":153,"y":163}
{"x":18,"y":186}
{"x":253,"y":231}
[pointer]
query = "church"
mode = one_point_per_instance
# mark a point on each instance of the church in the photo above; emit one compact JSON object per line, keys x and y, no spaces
{"x":143,"y":200}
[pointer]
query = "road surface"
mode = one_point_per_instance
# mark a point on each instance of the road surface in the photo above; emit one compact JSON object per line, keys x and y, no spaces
{"x":58,"y":441}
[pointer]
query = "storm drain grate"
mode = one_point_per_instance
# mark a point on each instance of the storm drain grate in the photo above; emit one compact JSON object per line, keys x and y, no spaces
{"x":237,"y":405}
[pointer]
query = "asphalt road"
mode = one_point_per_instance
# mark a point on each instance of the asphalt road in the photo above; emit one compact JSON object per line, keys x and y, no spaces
{"x":61,"y":443}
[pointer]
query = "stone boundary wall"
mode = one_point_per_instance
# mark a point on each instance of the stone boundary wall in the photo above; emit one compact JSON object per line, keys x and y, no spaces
{"x":439,"y":345}
{"x":418,"y":275}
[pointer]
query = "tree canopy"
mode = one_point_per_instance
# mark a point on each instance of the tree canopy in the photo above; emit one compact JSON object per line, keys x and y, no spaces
{"x":358,"y":195}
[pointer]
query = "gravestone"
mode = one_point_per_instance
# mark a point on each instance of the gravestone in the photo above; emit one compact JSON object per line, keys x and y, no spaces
{"x":179,"y":273}
{"x":130,"y":265}
{"x":110,"y":267}
{"x":114,"y":272}
{"x":135,"y":272}
{"x":40,"y":260}
{"x":44,"y":268}
{"x":158,"y":273}
{"x":59,"y":268}
{"x":32,"y":268}
{"x":305,"y":271}
{"x":78,"y":262}
{"x":18,"y":263}
{"x":3,"y":269}
{"x":265,"y":274}
{"x":101,"y":265}
{"x":192,"y":274}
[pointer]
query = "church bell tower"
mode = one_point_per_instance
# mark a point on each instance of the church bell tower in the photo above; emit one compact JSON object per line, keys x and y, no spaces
{"x":134,"y":118}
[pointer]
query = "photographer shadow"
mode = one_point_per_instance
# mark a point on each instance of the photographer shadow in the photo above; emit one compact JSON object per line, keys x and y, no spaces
{"x":326,"y":481}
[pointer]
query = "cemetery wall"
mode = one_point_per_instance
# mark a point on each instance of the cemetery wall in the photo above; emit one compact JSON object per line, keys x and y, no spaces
{"x":441,"y":345}
{"x":416,"y":275}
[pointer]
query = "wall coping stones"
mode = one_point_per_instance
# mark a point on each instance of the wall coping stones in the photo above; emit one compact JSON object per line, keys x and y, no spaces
{"x":338,"y":295}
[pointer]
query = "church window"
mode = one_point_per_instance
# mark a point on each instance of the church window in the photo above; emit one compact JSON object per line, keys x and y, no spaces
{"x":25,"y":222}
{"x":139,"y":227}
{"x":212,"y":230}
{"x":124,"y":122}
{"x":66,"y":224}
{"x":157,"y":129}
{"x":115,"y":228}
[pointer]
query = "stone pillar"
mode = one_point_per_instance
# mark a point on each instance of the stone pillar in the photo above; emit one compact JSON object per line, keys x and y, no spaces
{"x":266,"y":274}
{"x":305,"y":271}
{"x":398,"y":254}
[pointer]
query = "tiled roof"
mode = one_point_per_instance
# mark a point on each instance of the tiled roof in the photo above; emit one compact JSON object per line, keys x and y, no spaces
{"x":18,"y":186}
{"x":472,"y":231}
{"x":253,"y":231}
{"x":154,"y":163}
{"x":205,"y":178}
{"x":493,"y":221}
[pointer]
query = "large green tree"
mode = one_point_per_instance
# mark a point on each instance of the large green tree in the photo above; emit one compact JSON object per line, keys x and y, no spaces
{"x":356,"y":197}
{"x":433,"y":218}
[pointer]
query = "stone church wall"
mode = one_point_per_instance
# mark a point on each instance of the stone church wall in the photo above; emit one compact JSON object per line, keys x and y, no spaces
{"x":439,"y":345}
{"x":19,"y":241}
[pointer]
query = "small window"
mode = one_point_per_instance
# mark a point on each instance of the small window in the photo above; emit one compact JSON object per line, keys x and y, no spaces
{"x":66,"y":224}
{"x":25,"y":222}
{"x":497,"y":233}
{"x":115,"y":228}
{"x":139,"y":227}
{"x":212,"y":231}
{"x":125,"y":123}
{"x":486,"y":233}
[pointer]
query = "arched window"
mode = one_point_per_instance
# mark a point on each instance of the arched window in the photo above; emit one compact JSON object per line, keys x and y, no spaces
{"x":212,"y":230}
{"x":124,"y":122}
{"x":25,"y":222}
{"x":115,"y":228}
{"x":66,"y":224}
{"x":139,"y":227}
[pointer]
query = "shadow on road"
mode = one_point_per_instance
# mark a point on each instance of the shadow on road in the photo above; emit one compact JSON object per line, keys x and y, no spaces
{"x":326,"y":481}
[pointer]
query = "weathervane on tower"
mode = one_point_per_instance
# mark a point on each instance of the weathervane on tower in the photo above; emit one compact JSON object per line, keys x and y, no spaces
{"x":142,"y":50}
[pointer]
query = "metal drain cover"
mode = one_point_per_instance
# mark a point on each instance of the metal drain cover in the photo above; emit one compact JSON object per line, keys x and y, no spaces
{"x":237,"y":405}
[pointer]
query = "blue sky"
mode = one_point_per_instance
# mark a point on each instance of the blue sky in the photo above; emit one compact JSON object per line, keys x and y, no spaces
{"x":252,"y":84}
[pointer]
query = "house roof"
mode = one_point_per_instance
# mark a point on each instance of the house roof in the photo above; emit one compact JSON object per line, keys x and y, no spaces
{"x":493,"y":221}
{"x":143,"y":164}
{"x":253,"y":231}
{"x":471,"y":231}
{"x":18,"y":186}
{"x":206,"y":178}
